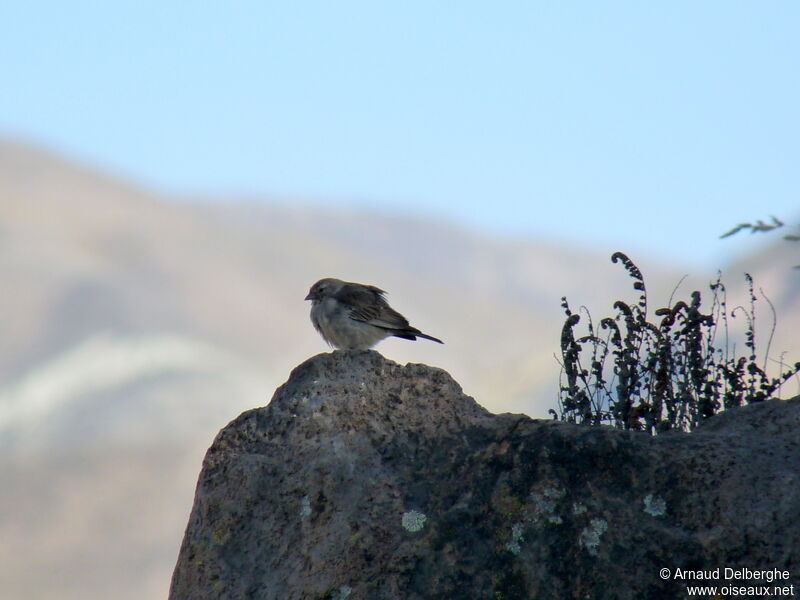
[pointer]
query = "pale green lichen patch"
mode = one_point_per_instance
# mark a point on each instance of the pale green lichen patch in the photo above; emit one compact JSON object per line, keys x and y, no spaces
{"x":590,"y":536}
{"x":547,"y":503}
{"x":544,"y":504}
{"x":342,"y":593}
{"x":513,"y":545}
{"x":554,"y":492}
{"x":305,"y":507}
{"x":655,"y":505}
{"x":578,"y":508}
{"x":413,"y":521}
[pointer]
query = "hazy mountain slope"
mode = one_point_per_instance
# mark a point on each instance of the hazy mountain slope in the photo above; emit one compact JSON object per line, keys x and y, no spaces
{"x":94,"y":524}
{"x":83,"y":254}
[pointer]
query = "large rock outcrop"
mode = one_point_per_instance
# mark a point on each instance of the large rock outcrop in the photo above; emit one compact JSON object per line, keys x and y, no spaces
{"x":366,"y":479}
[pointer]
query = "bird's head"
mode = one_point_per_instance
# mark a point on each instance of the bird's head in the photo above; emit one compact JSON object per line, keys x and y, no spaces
{"x":324,"y":288}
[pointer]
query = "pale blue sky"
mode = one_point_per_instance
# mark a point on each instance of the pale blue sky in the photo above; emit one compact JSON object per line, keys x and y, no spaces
{"x":640,"y":126}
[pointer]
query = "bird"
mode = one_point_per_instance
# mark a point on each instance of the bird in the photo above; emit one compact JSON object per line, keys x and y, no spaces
{"x":354,"y":316}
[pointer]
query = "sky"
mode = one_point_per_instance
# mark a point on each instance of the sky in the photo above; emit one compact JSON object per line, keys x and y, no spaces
{"x":638,"y":126}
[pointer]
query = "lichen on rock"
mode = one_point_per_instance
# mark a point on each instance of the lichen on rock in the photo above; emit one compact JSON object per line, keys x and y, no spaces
{"x":413,"y":521}
{"x":590,"y":536}
{"x":654,"y":506}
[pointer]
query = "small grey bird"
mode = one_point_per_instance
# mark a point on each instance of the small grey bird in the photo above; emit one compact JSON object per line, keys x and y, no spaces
{"x":353,"y":316}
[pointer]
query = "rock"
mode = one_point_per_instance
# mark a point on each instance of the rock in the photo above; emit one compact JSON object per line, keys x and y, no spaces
{"x":366,"y":479}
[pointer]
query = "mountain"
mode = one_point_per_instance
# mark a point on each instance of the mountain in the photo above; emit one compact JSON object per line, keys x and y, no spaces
{"x":136,"y":325}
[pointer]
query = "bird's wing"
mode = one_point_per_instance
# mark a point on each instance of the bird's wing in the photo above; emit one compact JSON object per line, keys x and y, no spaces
{"x":367,"y":304}
{"x":385,"y":317}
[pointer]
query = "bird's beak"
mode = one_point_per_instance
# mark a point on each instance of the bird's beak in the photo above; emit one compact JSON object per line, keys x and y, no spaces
{"x":309,"y":297}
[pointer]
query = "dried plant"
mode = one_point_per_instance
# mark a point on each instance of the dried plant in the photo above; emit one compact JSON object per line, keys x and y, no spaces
{"x":636,"y":374}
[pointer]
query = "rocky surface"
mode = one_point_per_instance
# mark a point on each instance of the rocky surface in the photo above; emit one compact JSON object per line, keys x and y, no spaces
{"x":366,"y":479}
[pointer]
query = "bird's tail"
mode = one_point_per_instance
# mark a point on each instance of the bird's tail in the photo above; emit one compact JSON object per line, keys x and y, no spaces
{"x":428,"y":337}
{"x":412,"y":333}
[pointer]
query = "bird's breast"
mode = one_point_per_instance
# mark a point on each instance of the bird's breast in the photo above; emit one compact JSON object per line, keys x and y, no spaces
{"x":332,"y":319}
